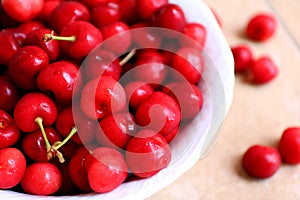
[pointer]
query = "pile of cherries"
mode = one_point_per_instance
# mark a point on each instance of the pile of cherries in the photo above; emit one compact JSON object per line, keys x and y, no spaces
{"x":69,"y":122}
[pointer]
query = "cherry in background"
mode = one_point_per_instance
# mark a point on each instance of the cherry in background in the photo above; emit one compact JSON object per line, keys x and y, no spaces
{"x":10,"y":93}
{"x":146,"y":8}
{"x":105,"y":14}
{"x":9,"y":45}
{"x":9,"y":132}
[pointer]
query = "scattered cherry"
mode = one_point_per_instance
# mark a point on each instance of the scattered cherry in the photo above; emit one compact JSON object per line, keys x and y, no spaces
{"x":242,"y":55}
{"x":289,"y":145}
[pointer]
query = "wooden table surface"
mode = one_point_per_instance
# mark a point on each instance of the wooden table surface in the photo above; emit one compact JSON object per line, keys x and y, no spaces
{"x":258,"y":114}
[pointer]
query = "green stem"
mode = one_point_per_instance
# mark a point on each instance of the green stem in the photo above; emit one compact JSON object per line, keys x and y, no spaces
{"x":57,"y":145}
{"x":48,"y":37}
{"x":39,"y":121}
{"x":127,"y":57}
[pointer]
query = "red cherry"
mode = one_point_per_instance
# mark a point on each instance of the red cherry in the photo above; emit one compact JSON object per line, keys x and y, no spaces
{"x":26,"y":64}
{"x":95,"y":3}
{"x":242,"y":55}
{"x":196,"y":31}
{"x":67,"y":186}
{"x":23,"y":29}
{"x":261,"y":27}
{"x":263,"y":70}
{"x":34,"y":145}
{"x":145,"y":37}
{"x":35,"y":38}
{"x":9,"y":132}
{"x":9,"y":46}
{"x":128,"y":11}
{"x":289,"y":145}
{"x":22,"y":10}
{"x":65,"y":75}
{"x":147,"y":153}
{"x":107,"y":163}
{"x":121,"y":38}
{"x":13,"y":166}
{"x":32,"y":106}
{"x":41,"y":178}
{"x":116,"y":130}
{"x":47,"y":9}
{"x":188,"y":62}
{"x":109,"y":96}
{"x":105,"y":14}
{"x":6,"y":20}
{"x":261,"y":161}
{"x":10,"y":93}
{"x":77,"y":171}
{"x":66,"y":12}
{"x":169,"y":16}
{"x":159,"y":112}
{"x":146,"y":8}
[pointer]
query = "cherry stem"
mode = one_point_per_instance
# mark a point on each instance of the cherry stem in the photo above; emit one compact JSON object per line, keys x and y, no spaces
{"x":50,"y":36}
{"x":39,"y":121}
{"x":127,"y":57}
{"x":59,"y":144}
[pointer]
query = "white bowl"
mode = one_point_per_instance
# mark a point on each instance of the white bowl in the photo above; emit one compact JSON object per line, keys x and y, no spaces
{"x":194,"y":140}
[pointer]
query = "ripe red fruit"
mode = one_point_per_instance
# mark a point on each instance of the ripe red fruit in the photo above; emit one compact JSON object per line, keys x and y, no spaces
{"x":47,"y":9}
{"x":105,"y":14}
{"x":10,"y":93}
{"x":23,"y":29}
{"x":13,"y":166}
{"x":242,"y":55}
{"x":289,"y":145}
{"x":262,"y":70}
{"x":195,"y":31}
{"x":261,"y":161}
{"x":128,"y":11}
{"x":41,"y":178}
{"x":146,"y":37}
{"x":147,"y":153}
{"x":261,"y":27}
{"x":107,"y":163}
{"x":9,"y":132}
{"x":22,"y":10}
{"x":9,"y":46}
{"x":146,"y":8}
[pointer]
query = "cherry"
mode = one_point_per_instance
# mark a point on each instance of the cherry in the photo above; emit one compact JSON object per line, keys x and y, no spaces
{"x":34,"y":106}
{"x":13,"y":166}
{"x":117,"y":36}
{"x":262,"y":70}
{"x":10,"y":93}
{"x":109,"y":96}
{"x":9,"y":132}
{"x":65,"y":75}
{"x":146,"y":8}
{"x":189,"y":63}
{"x":35,"y":38}
{"x":289,"y":145}
{"x":66,"y":12}
{"x":41,"y":178}
{"x":23,"y":29}
{"x":95,"y":3}
{"x":196,"y":31}
{"x":25,"y":64}
{"x":145,"y":37}
{"x":22,"y":10}
{"x":242,"y":55}
{"x":128,"y":11}
{"x":147,"y":153}
{"x":105,"y":14}
{"x":67,"y":186}
{"x":169,"y":16}
{"x":47,"y":9}
{"x":116,"y":130}
{"x":261,"y":161}
{"x":261,"y":27}
{"x":6,"y":21}
{"x":107,"y":163}
{"x":137,"y":92}
{"x":9,"y":46}
{"x":77,"y":171}
{"x":159,"y":112}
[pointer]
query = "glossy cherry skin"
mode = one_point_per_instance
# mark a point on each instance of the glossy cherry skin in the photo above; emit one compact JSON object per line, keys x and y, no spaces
{"x":47,"y":9}
{"x":145,"y":37}
{"x":41,"y":178}
{"x":9,"y":132}
{"x":105,"y":14}
{"x":261,"y":27}
{"x":25,"y":64}
{"x":30,"y":107}
{"x":66,"y":12}
{"x":147,"y":153}
{"x":34,"y":144}
{"x":101,"y":62}
{"x":116,"y":130}
{"x":137,"y":92}
{"x":243,"y":57}
{"x":95,"y":3}
{"x":77,"y":171}
{"x":10,"y":93}
{"x":101,"y":97}
{"x":23,"y":29}
{"x":159,"y":112}
{"x":107,"y":163}
{"x":87,"y":38}
{"x":128,"y":11}
{"x":195,"y":31}
{"x":65,"y":74}
{"x":188,"y":62}
{"x":35,"y":38}
{"x":261,"y":161}
{"x":289,"y":145}
{"x":13,"y":166}
{"x":117,"y":37}
{"x":23,"y":10}
{"x":9,"y":46}
{"x":169,"y":16}
{"x":146,"y":8}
